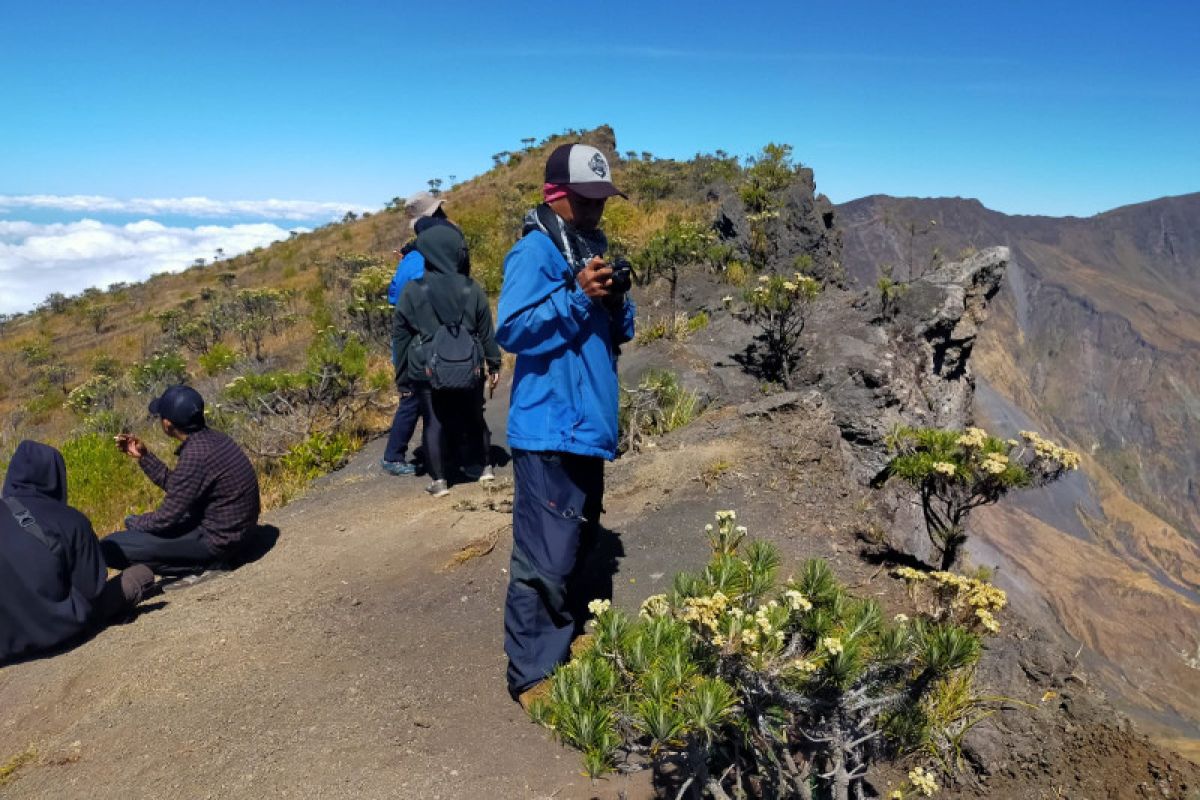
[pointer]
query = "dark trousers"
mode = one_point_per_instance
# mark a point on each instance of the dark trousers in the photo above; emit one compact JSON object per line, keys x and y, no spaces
{"x":122,"y":592}
{"x":159,"y":553}
{"x":453,"y":420}
{"x":556,"y":515}
{"x":403,"y":425}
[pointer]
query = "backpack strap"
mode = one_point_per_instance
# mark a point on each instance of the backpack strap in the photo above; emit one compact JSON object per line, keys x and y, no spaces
{"x":29,"y":524}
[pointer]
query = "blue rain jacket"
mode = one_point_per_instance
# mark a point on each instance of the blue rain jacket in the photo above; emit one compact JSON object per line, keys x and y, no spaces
{"x":565,"y":392}
{"x":411,"y":267}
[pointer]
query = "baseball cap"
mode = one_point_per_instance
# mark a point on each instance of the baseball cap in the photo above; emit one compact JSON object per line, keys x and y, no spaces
{"x":422,"y":204}
{"x":182,"y":406}
{"x":583,"y":169}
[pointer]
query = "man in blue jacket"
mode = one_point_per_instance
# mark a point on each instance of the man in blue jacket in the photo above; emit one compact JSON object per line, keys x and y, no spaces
{"x":560,"y":315}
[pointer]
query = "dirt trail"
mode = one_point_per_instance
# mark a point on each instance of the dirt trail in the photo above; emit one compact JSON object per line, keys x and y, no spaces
{"x":350,"y":661}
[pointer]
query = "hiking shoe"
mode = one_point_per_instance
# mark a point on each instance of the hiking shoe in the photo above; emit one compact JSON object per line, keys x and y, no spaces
{"x":533,"y":693}
{"x":487,"y":476}
{"x":398,"y":468}
{"x":188,"y":581}
{"x":438,"y":489}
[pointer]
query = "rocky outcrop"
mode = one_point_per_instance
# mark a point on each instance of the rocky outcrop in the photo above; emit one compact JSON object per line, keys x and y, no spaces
{"x":914,"y":370}
{"x":1094,"y":339}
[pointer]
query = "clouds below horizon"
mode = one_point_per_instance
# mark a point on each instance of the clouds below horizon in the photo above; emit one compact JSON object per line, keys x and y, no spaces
{"x":37,"y":259}
{"x":296,"y":210}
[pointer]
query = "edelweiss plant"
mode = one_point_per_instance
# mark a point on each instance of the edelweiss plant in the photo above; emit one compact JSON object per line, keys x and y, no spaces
{"x":955,"y":472}
{"x":753,"y":687}
{"x":779,"y":306}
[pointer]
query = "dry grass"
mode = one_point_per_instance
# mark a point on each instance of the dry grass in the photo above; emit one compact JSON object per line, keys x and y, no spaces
{"x":10,"y":767}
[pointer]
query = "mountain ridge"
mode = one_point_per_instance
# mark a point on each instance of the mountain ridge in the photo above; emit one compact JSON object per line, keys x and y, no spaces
{"x":1093,"y":337}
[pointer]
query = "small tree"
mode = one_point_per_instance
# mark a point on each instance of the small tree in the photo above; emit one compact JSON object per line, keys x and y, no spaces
{"x":257,"y":312}
{"x":752,"y":688}
{"x":678,"y":244}
{"x":96,"y":315}
{"x":779,"y":306}
{"x":955,"y":472}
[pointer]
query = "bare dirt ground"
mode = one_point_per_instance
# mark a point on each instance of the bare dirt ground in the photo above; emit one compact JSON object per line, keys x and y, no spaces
{"x":362,"y":656}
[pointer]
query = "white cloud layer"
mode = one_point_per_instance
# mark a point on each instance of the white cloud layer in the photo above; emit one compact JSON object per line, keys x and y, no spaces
{"x":37,"y":259}
{"x":299,"y":210}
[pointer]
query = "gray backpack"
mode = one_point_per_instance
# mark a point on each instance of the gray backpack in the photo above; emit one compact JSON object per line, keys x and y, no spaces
{"x":455,"y":354}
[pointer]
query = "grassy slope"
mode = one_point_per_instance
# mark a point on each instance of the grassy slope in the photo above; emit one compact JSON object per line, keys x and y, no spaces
{"x":489,"y":207}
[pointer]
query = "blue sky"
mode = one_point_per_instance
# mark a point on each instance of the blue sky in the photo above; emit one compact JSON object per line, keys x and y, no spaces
{"x":1031,"y":107}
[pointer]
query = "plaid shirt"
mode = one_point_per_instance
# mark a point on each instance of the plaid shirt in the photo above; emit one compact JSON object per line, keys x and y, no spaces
{"x":213,"y":486}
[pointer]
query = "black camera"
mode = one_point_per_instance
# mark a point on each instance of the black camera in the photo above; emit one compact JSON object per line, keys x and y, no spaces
{"x":622,"y":276}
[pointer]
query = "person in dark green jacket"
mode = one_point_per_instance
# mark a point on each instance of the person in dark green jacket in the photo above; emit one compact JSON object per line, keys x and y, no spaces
{"x":446,"y":293}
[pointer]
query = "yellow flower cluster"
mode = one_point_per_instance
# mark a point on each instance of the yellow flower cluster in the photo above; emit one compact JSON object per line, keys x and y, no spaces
{"x":705,"y":611}
{"x":726,"y":516}
{"x":655,"y":605}
{"x":994,"y":463}
{"x":598,"y":607}
{"x":977,"y":594}
{"x":1049,"y":450}
{"x":973,"y":437}
{"x":909,"y":574}
{"x":803,"y":665}
{"x":797,"y":601}
{"x":958,"y":592}
{"x":988,"y":621}
{"x":923,"y":781}
{"x":944,"y":467}
{"x":832,"y":644}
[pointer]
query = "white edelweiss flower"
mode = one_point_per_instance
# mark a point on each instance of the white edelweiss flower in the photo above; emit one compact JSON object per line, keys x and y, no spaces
{"x":598,"y":607}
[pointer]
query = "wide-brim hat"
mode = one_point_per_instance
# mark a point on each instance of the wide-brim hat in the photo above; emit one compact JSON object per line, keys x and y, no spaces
{"x":422,"y":204}
{"x":583,"y":169}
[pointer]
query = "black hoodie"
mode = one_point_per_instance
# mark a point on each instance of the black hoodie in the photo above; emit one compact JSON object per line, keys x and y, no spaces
{"x":445,"y":292}
{"x":45,"y":597}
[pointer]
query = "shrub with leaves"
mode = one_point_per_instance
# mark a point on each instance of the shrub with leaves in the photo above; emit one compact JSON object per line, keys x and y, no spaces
{"x":955,"y":472}
{"x":219,"y":358}
{"x":277,"y":409}
{"x":679,"y":244}
{"x":753,"y":687}
{"x":657,"y":405}
{"x":164,"y":368}
{"x":98,"y":393}
{"x":368,"y":308}
{"x":779,"y":306}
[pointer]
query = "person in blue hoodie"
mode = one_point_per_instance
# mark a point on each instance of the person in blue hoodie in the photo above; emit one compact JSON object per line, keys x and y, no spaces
{"x":560,"y":315}
{"x":53,"y":581}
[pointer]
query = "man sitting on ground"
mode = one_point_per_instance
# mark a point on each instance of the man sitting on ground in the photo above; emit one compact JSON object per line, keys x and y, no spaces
{"x":212,"y":500}
{"x":52,"y":576}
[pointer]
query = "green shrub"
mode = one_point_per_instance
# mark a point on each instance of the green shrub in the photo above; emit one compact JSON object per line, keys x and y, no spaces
{"x":753,"y":687}
{"x":318,"y":454}
{"x":655,"y":406}
{"x":779,"y":306}
{"x":219,"y":358}
{"x":165,"y":368}
{"x":954,"y":472}
{"x":93,"y":395}
{"x":104,"y":483}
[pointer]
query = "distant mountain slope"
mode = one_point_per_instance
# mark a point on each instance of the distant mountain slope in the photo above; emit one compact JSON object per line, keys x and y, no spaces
{"x":1095,"y":337}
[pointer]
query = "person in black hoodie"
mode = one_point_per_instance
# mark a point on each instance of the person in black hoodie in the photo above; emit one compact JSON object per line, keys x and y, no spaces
{"x":52,"y":577}
{"x":444,"y":294}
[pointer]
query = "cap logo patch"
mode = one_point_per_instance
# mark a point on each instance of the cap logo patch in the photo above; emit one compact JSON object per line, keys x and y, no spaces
{"x":599,"y":165}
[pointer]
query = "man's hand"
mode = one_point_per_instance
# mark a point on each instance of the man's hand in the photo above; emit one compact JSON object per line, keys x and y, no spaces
{"x":595,"y":278}
{"x":493,"y":380}
{"x":130,"y":445}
